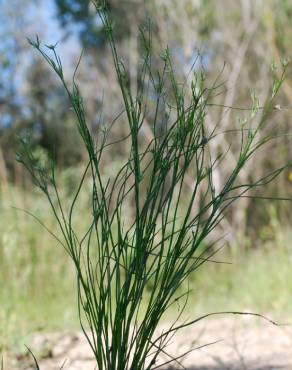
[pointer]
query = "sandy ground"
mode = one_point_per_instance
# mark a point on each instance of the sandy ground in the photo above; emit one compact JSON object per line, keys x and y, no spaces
{"x":244,"y":343}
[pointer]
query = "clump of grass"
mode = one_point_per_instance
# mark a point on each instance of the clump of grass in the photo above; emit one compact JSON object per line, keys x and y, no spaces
{"x":161,"y":241}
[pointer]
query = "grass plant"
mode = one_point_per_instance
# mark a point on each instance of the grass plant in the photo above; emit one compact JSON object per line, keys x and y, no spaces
{"x":131,"y":265}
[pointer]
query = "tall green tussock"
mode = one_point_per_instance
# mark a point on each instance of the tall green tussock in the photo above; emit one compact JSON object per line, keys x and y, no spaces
{"x":144,"y":232}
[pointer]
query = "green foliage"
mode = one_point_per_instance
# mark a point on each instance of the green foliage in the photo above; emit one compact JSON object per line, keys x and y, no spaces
{"x":161,"y":242}
{"x":36,"y":277}
{"x":81,"y":13}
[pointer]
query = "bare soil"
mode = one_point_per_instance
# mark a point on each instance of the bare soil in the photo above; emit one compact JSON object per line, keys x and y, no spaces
{"x":238,"y":344}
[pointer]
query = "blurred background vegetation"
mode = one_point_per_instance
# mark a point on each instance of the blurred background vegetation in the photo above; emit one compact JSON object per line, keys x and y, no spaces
{"x":243,"y":43}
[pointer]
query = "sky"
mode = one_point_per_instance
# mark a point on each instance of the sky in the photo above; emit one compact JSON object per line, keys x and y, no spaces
{"x":19,"y":20}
